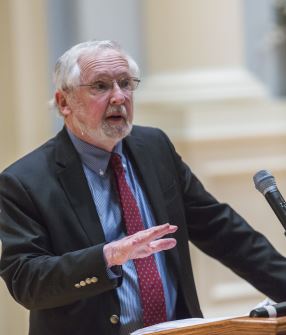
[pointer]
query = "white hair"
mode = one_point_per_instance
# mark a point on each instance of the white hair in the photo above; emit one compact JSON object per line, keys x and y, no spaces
{"x":67,"y":70}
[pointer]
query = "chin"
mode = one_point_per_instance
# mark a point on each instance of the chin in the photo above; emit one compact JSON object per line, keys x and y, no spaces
{"x":117,"y":132}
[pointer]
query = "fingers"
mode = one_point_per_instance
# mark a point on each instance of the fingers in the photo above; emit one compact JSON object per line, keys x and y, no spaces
{"x":147,"y":242}
{"x":139,"y":245}
{"x":153,"y":247}
{"x":154,"y":233}
{"x":163,"y":244}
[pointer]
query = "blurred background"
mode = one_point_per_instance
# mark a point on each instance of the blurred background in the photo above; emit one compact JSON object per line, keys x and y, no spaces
{"x":213,"y":77}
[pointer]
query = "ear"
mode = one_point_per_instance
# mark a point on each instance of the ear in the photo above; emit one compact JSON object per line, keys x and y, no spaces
{"x":61,"y":99}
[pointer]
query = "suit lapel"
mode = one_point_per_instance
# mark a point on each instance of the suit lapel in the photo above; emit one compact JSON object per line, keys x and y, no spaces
{"x":74,"y":183}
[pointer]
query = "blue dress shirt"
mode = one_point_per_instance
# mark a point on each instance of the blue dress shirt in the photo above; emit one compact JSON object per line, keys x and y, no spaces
{"x":101,"y":183}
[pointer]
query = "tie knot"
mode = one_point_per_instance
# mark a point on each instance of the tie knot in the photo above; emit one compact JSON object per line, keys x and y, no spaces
{"x":115,"y":162}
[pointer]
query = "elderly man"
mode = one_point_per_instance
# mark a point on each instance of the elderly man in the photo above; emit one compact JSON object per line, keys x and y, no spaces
{"x":95,"y":223}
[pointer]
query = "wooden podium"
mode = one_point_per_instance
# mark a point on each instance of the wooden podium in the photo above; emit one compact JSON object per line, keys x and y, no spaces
{"x":236,"y":326}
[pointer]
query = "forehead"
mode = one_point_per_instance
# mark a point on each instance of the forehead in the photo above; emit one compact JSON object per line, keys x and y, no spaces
{"x":105,"y":62}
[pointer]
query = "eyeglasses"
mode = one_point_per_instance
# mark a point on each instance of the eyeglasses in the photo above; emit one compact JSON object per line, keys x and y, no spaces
{"x":102,"y":86}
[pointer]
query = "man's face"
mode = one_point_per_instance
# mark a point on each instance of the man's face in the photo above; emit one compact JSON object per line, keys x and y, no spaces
{"x":100,"y":118}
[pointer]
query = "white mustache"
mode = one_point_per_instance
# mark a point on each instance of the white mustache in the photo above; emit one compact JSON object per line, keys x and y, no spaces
{"x":118,"y":110}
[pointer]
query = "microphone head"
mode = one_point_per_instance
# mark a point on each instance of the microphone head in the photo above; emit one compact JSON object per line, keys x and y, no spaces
{"x":264,"y":181}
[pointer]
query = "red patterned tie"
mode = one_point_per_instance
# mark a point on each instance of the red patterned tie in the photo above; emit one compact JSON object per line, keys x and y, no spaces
{"x":150,"y":283}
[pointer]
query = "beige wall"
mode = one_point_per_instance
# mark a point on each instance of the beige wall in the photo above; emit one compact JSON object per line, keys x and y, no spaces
{"x":7,"y":119}
{"x":24,"y":119}
{"x":185,"y":34}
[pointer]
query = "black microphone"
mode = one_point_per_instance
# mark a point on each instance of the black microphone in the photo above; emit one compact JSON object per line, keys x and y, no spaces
{"x":266,"y":184}
{"x":269,"y":311}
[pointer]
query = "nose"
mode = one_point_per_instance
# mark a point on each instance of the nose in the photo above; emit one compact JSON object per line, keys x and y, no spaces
{"x":117,"y":96}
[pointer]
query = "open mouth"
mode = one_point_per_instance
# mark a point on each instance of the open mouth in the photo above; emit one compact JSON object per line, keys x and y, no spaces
{"x":115,"y":118}
{"x":116,"y":114}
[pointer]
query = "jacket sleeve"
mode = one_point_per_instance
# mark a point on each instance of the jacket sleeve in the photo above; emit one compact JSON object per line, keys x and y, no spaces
{"x":223,"y":234}
{"x":34,"y":275}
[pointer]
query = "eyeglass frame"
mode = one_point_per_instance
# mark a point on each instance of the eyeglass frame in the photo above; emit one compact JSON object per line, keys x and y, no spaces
{"x":135,"y":80}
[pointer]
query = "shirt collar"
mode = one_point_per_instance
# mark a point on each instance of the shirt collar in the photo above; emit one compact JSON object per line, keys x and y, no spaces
{"x":94,"y":158}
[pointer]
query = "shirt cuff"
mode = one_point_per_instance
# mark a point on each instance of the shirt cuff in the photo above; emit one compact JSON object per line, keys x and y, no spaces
{"x":114,"y":272}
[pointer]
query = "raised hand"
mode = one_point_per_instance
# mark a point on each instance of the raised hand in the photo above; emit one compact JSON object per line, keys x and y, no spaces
{"x":139,"y":245}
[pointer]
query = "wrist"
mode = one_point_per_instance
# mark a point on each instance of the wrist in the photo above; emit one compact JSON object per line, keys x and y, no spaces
{"x":107,"y":255}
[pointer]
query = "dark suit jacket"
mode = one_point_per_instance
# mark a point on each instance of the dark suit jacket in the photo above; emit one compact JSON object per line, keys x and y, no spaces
{"x":52,"y":237}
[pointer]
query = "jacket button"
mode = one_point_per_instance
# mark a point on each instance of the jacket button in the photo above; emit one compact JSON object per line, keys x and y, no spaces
{"x":94,"y":280}
{"x":77,"y":285}
{"x":114,"y":319}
